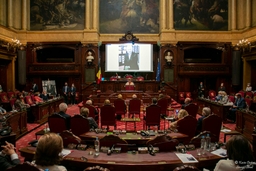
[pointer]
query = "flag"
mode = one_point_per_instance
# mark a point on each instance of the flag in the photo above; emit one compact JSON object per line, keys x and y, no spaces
{"x":158,"y":71}
{"x":98,"y":75}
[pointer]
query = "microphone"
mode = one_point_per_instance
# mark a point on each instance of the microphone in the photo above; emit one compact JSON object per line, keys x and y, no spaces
{"x":110,"y":151}
{"x":151,"y":150}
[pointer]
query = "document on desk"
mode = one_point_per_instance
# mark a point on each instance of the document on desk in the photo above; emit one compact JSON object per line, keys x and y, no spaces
{"x":65,"y":152}
{"x":186,"y":158}
{"x":220,"y":152}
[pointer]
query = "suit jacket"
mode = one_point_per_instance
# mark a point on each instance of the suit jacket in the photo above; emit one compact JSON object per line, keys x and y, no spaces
{"x":92,"y":123}
{"x":200,"y":123}
{"x":73,"y":91}
{"x":6,"y":162}
{"x":132,"y":61}
{"x":68,"y":117}
{"x":68,"y":90}
{"x":35,"y":88}
{"x":240,"y":103}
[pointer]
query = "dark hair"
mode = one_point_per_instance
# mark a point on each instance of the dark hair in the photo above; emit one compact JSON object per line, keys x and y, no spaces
{"x":154,"y":100}
{"x":239,"y":149}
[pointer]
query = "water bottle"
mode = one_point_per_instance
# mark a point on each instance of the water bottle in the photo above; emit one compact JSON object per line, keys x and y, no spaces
{"x":203,"y":145}
{"x":208,"y":142}
{"x":46,"y":169}
{"x":97,"y":145}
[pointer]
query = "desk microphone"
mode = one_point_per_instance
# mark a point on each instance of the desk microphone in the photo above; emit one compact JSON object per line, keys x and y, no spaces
{"x":111,"y":150}
{"x":151,"y":150}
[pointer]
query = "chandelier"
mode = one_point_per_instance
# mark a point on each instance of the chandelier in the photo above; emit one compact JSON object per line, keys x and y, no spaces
{"x":244,"y":44}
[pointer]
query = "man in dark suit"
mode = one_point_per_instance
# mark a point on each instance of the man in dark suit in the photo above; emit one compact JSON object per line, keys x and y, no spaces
{"x":205,"y":112}
{"x":63,"y":109}
{"x":8,"y":157}
{"x":131,"y":60}
{"x":239,"y":104}
{"x":66,"y":91}
{"x":34,"y":88}
{"x":72,"y":94}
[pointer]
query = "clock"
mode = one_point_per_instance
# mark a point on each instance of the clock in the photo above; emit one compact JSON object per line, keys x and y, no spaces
{"x":128,"y":36}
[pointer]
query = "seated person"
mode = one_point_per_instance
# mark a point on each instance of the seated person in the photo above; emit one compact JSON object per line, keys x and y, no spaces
{"x":62,"y":111}
{"x":219,"y":96}
{"x":48,"y":151}
{"x":129,"y":85}
{"x":8,"y":157}
{"x":2,"y":110}
{"x":206,"y":111}
{"x":19,"y":104}
{"x":248,"y":87}
{"x":96,"y":113}
{"x":154,"y":103}
{"x":238,"y":104}
{"x":37,"y":98}
{"x":239,"y":155}
{"x":85,"y":113}
{"x":224,"y":98}
{"x":161,"y":96}
{"x":187,"y":102}
{"x":107,"y":103}
{"x":44,"y":96}
{"x":222,"y":87}
{"x":120,"y":97}
{"x":182,"y":113}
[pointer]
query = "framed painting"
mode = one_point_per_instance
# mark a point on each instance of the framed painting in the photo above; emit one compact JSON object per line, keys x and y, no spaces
{"x":57,"y":15}
{"x":137,"y":16}
{"x":200,"y":15}
{"x":49,"y":86}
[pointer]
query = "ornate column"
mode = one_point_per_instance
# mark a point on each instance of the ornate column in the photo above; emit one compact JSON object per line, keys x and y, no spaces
{"x":24,"y":15}
{"x":170,"y":16}
{"x":3,"y":12}
{"x":87,"y":15}
{"x":95,"y":13}
{"x":248,"y":11}
{"x":233,"y":15}
{"x":163,"y":14}
{"x":9,"y":14}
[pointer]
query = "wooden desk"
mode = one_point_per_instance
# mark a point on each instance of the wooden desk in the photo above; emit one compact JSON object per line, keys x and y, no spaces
{"x":134,"y":120}
{"x":163,"y":161}
{"x":43,"y":110}
{"x":132,"y":138}
{"x":216,"y":108}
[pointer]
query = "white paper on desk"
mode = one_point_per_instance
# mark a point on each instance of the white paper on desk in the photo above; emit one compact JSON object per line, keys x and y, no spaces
{"x":220,"y":152}
{"x":186,"y":158}
{"x":65,"y":152}
{"x":225,"y":130}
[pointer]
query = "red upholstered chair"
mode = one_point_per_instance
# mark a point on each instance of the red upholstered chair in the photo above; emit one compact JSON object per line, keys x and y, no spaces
{"x":163,"y":103}
{"x":120,"y":106}
{"x":152,"y":116}
{"x":140,"y":78}
{"x":212,"y":123}
{"x":79,"y":125}
{"x":113,"y":78}
{"x":250,"y":94}
{"x":254,"y":98}
{"x":212,"y":95}
{"x":192,"y":109}
{"x":11,"y":94}
{"x":29,"y":100}
{"x":242,"y":93}
{"x":188,"y":95}
{"x":187,"y":125}
{"x":12,"y":102}
{"x":91,"y":110}
{"x":4,"y":98}
{"x":231,"y":98}
{"x":33,"y":97}
{"x":248,"y":101}
{"x":129,"y":87}
{"x":134,"y":106}
{"x":57,"y":123}
{"x":181,"y":97}
{"x":107,"y":116}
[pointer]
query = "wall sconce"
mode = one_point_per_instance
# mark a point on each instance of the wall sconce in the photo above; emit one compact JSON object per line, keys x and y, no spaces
{"x":244,"y":45}
{"x":169,"y":58}
{"x":89,"y":58}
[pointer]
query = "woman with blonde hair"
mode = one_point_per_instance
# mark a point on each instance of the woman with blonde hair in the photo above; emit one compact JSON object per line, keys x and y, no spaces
{"x":48,"y":152}
{"x":182,"y":113}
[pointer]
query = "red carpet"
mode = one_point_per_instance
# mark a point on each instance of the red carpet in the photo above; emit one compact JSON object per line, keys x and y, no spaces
{"x":72,"y":110}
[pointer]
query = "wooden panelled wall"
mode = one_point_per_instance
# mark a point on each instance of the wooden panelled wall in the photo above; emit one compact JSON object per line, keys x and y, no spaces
{"x":179,"y":76}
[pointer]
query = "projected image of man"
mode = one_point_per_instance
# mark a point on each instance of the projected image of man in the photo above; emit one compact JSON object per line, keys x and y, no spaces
{"x":131,"y":59}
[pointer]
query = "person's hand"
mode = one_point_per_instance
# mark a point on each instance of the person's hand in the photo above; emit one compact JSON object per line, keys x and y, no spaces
{"x":8,"y":149}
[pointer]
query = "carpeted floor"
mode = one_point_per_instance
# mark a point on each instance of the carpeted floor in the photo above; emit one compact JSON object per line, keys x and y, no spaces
{"x":72,"y":110}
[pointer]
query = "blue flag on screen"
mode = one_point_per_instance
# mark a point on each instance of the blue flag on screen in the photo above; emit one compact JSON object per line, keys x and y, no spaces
{"x":158,"y":71}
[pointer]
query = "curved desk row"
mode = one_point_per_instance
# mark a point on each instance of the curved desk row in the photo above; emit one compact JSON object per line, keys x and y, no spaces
{"x":79,"y":160}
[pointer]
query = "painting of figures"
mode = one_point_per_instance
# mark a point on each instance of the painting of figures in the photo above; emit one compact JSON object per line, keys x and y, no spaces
{"x":57,"y":14}
{"x":49,"y":86}
{"x":137,"y":16}
{"x":201,"y":15}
